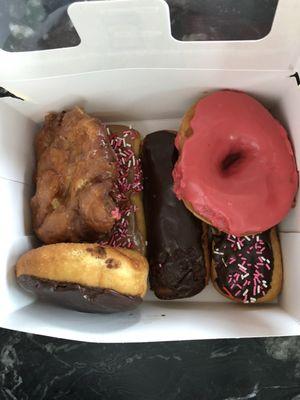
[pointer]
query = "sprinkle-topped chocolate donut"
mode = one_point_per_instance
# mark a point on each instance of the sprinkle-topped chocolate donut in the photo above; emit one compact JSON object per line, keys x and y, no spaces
{"x":126,"y":191}
{"x":243,"y":266}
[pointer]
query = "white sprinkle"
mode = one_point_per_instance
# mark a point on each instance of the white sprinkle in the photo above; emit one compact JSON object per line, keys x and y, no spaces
{"x":238,"y":245}
{"x":257,"y":238}
{"x":234,"y":237}
{"x":108,"y":131}
{"x":245,"y":276}
{"x":218,"y":252}
{"x":252,"y":300}
{"x":224,"y":262}
{"x":245,"y":292}
{"x":267,"y":260}
{"x":265,"y":285}
{"x":263,"y":258}
{"x":258,"y":289}
{"x":247,"y":237}
{"x":242,"y":267}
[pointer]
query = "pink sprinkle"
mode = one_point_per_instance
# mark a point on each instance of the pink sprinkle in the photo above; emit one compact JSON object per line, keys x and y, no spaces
{"x":268,"y":266}
{"x":240,"y":244}
{"x":230,"y":240}
{"x":116,"y":213}
{"x":254,"y":290}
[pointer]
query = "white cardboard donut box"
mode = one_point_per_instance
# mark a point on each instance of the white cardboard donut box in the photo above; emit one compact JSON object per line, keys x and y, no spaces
{"x":128,"y":68}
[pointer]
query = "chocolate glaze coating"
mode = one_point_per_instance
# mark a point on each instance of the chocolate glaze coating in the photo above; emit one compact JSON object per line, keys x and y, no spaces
{"x":78,"y":297}
{"x":244,"y":265}
{"x":175,"y":253}
{"x":127,"y":189}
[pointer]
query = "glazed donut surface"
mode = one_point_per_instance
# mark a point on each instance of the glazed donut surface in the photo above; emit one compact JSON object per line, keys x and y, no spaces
{"x":236,"y":169}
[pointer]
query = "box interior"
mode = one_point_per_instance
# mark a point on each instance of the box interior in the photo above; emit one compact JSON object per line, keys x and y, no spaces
{"x":149,"y":99}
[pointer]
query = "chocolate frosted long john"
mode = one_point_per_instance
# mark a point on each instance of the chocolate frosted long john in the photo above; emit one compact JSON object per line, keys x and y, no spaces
{"x":175,"y":251}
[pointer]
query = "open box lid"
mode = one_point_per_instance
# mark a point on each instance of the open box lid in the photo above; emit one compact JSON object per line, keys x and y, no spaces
{"x":137,"y":34}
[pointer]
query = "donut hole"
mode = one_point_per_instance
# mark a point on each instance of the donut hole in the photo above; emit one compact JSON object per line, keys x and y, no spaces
{"x":231,"y":162}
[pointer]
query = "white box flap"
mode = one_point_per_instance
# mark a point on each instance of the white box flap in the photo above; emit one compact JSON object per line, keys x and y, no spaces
{"x":136,"y":34}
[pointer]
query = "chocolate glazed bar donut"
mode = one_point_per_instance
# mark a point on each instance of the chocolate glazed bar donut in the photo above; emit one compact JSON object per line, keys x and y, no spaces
{"x":129,"y":230}
{"x":177,"y":241}
{"x":247,"y":269}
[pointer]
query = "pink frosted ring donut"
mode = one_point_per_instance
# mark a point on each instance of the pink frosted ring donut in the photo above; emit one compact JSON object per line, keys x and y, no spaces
{"x":236,"y":168}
